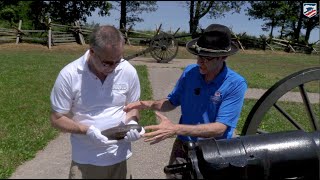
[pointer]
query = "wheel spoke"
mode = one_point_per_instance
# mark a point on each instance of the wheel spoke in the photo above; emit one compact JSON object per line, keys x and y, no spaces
{"x":166,"y":55}
{"x":285,"y":114}
{"x":169,"y":54}
{"x":170,"y":51}
{"x":307,"y":104}
{"x":156,"y":53}
{"x":161,"y":55}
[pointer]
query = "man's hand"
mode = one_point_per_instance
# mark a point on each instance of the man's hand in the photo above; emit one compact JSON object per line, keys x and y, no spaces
{"x":133,"y":134}
{"x":161,"y":131}
{"x":95,"y":135}
{"x":136,"y":105}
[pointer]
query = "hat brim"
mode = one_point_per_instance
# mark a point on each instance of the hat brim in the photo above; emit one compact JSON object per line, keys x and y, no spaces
{"x":189,"y":45}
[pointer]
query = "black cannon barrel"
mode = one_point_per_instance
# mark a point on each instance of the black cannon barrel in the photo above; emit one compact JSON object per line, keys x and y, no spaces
{"x":281,"y":155}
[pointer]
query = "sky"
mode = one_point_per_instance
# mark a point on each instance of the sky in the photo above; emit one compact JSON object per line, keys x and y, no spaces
{"x":174,"y":14}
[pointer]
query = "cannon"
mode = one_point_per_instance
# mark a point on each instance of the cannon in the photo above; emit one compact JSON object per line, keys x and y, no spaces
{"x":281,"y":155}
{"x":163,"y":46}
{"x":290,"y":153}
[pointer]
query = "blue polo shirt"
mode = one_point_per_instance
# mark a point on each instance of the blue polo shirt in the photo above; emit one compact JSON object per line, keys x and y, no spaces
{"x":220,"y":100}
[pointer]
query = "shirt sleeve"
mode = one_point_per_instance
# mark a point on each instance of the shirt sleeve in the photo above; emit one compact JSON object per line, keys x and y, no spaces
{"x":61,"y":95}
{"x":175,"y":96}
{"x":134,"y":89}
{"x":231,"y":106}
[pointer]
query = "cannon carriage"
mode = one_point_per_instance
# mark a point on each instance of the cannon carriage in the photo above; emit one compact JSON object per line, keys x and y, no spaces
{"x":162,"y":46}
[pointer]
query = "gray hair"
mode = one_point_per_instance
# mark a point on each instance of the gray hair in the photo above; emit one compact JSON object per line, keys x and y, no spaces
{"x":105,"y":35}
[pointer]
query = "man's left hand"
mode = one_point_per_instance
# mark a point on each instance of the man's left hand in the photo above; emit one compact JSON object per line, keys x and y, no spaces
{"x":161,"y":131}
{"x":133,"y":134}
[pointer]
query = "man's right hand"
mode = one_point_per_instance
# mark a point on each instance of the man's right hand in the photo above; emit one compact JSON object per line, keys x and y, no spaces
{"x":95,"y":135}
{"x":136,"y":105}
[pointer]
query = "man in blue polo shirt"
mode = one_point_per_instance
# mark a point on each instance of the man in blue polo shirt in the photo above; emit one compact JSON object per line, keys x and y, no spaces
{"x":210,"y":94}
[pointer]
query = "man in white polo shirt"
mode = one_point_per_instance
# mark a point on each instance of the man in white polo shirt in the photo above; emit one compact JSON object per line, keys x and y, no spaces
{"x":88,"y":97}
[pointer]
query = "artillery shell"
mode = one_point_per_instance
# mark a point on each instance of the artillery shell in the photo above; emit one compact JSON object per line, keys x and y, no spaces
{"x":119,"y":132}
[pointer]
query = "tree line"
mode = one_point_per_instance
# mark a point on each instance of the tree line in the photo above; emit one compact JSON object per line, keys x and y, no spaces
{"x":286,"y":15}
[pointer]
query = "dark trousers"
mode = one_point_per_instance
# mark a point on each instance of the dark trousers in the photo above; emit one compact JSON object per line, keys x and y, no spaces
{"x":178,"y":155}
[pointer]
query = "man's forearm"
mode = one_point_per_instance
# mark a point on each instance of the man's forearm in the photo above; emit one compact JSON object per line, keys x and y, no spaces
{"x":66,"y":124}
{"x":132,"y":115}
{"x":162,"y":105}
{"x":201,"y":130}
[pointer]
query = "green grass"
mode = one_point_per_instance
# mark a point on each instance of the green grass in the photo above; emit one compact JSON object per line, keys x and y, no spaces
{"x":274,"y":121}
{"x":27,"y":76}
{"x":147,"y":116}
{"x":26,"y":79}
{"x":264,"y":70}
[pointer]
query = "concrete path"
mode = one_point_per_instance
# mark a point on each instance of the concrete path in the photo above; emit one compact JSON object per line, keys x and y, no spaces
{"x":148,"y":161}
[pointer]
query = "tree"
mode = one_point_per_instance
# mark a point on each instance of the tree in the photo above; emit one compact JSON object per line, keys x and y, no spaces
{"x":12,"y":11}
{"x":66,"y":12}
{"x":310,"y":24}
{"x":214,"y":9}
{"x":197,"y":11}
{"x":268,"y":11}
{"x":296,"y":21}
{"x":296,"y":26}
{"x":129,"y":11}
{"x":288,"y":15}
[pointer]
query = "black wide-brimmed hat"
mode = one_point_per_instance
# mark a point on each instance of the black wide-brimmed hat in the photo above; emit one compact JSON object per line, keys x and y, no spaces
{"x":215,"y":41}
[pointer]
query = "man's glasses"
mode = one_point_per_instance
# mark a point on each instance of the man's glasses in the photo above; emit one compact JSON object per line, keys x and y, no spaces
{"x":207,"y":58}
{"x":109,"y":63}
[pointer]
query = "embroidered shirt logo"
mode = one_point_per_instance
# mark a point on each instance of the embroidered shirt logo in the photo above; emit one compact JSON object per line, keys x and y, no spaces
{"x":216,"y":98}
{"x":119,"y":87}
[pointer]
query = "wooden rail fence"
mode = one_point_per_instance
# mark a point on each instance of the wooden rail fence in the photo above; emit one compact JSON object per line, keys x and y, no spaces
{"x":54,"y":34}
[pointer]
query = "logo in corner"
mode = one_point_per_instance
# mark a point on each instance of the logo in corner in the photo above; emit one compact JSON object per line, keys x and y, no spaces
{"x":309,"y":9}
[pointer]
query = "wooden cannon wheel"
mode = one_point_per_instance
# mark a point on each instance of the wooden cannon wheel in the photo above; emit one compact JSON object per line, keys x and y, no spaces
{"x":164,"y":47}
{"x":254,"y":122}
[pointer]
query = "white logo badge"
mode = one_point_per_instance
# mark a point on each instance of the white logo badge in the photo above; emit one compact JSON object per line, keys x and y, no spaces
{"x":309,"y":9}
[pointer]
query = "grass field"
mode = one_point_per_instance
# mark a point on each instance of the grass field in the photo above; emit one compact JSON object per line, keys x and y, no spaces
{"x":27,"y":74}
{"x":26,"y":79}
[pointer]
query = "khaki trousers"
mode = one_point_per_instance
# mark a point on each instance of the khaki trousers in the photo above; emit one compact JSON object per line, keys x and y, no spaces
{"x":88,"y":171}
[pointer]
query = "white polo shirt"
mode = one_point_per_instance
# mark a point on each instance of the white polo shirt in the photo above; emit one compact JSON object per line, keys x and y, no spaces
{"x":80,"y":94}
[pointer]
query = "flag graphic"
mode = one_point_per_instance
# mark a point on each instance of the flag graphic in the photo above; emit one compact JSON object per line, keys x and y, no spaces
{"x":310,"y":9}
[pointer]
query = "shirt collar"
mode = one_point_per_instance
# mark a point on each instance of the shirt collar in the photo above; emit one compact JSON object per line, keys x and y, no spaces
{"x":222,"y":74}
{"x":82,"y":66}
{"x":220,"y":77}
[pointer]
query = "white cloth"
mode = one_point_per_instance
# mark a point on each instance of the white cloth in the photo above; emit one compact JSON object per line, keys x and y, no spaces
{"x":79,"y":93}
{"x":95,"y":134}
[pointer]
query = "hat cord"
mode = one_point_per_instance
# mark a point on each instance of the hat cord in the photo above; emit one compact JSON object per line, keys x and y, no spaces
{"x":198,"y":48}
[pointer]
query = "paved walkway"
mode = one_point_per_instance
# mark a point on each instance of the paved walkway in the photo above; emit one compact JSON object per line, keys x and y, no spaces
{"x":148,"y":160}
